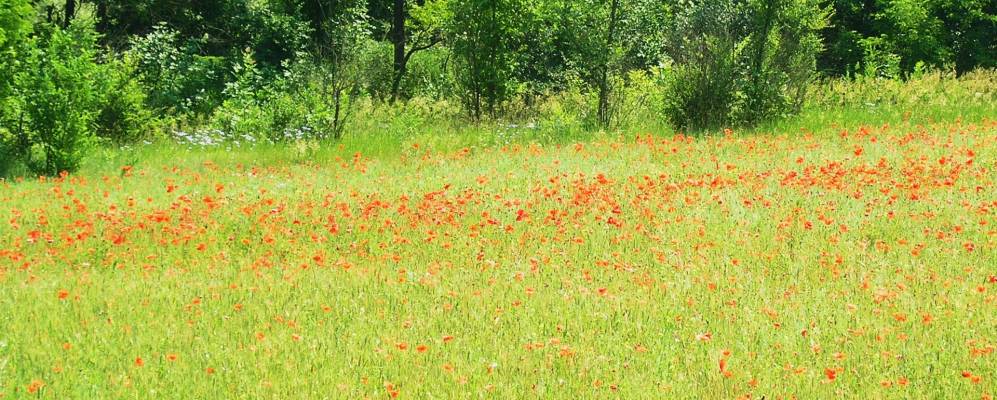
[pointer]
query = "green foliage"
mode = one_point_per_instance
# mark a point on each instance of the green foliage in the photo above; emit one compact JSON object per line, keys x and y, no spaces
{"x":740,"y":62}
{"x":376,"y":63}
{"x":879,"y":58}
{"x":425,"y":76}
{"x":293,"y":107}
{"x":338,"y":28}
{"x":15,"y":23}
{"x":935,"y":89}
{"x":123,"y":117}
{"x":934,"y":32}
{"x":55,"y":104}
{"x":184,"y":50}
{"x":61,"y":100}
{"x":221,"y":28}
{"x":582,"y":35}
{"x":913,"y":33}
{"x":968,"y":30}
{"x":486,"y":36}
{"x":428,"y":76}
{"x":177,"y":79}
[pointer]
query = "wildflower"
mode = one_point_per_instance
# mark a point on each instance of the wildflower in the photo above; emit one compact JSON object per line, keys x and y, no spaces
{"x":830,"y":374}
{"x":35,"y":386}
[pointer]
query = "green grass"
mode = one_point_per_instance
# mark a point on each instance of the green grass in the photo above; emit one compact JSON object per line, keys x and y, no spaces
{"x":319,"y":274}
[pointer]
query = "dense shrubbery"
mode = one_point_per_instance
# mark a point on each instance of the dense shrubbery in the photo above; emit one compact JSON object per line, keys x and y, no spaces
{"x":56,"y":101}
{"x":60,"y":100}
{"x":740,"y":62}
{"x":177,"y":78}
{"x":117,"y":71}
{"x":939,"y":33}
{"x":287,"y":108}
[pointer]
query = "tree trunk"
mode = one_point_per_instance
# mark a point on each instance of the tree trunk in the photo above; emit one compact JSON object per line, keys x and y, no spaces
{"x":102,"y":19}
{"x":337,"y":128}
{"x":398,"y":40}
{"x":603,"y":113}
{"x":70,"y":12}
{"x":761,"y":41}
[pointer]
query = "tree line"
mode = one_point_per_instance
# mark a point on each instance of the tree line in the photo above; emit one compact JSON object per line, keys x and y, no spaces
{"x":77,"y":72}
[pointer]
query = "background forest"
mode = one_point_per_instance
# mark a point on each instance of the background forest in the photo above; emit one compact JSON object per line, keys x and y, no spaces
{"x":78,"y":75}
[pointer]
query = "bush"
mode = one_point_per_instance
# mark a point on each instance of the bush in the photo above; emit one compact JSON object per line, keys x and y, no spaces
{"x":280,"y":110}
{"x":123,"y":116}
{"x":740,"y":62}
{"x":426,"y":74}
{"x":60,"y":100}
{"x":55,"y":101}
{"x":177,"y":79}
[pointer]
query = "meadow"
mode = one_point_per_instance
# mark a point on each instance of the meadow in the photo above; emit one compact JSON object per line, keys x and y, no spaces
{"x":502,"y":199}
{"x":853,"y":261}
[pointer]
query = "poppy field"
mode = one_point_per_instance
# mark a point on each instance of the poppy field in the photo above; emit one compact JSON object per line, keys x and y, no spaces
{"x":857,"y":262}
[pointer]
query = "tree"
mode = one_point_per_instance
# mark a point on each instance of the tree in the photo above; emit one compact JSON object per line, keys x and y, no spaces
{"x":612,"y":25}
{"x":970,"y":27}
{"x":741,"y":61}
{"x":486,"y":37}
{"x":417,"y":27}
{"x":933,"y":32}
{"x":603,"y":40}
{"x":53,"y":104}
{"x":338,"y":31}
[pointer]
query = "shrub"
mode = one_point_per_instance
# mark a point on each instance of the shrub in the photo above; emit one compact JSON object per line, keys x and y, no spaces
{"x":123,"y":116}
{"x":932,"y":89}
{"x":426,"y":73}
{"x":740,"y":61}
{"x":878,"y":58}
{"x":295,"y":106}
{"x":54,"y":99}
{"x":376,"y":64}
{"x":177,"y":79}
{"x":59,"y":100}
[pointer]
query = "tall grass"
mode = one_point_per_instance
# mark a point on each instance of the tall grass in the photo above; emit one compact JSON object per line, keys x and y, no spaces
{"x":725,"y":266}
